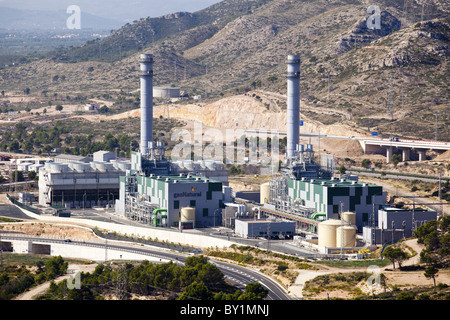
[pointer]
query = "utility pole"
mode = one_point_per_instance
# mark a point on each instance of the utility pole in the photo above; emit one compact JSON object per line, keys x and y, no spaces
{"x":421,"y":18}
{"x":106,"y":247}
{"x":373,"y":223}
{"x":436,"y":127}
{"x":390,"y":104}
{"x":393,"y":226}
{"x":440,"y":193}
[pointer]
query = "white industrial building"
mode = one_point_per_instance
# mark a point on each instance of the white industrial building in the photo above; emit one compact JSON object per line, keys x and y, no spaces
{"x":393,"y":224}
{"x":265,"y":228}
{"x":77,"y":184}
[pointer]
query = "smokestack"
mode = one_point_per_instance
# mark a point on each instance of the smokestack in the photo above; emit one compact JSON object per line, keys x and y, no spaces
{"x":146,"y":75}
{"x":293,"y":104}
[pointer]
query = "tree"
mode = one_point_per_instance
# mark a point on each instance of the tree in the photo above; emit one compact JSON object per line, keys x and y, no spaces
{"x":254,"y":291}
{"x":103,"y":109}
{"x":395,"y":254}
{"x":196,"y":291}
{"x":342,"y":169}
{"x":59,"y":107}
{"x":14,"y":146}
{"x":431,"y":273}
{"x":32,"y":175}
{"x":365,"y":163}
{"x":19,"y":175}
{"x":396,"y":158}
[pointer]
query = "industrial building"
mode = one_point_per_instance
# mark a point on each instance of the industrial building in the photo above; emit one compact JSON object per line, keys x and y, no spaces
{"x":77,"y":184}
{"x":162,"y":193}
{"x":171,"y":193}
{"x":305,"y":190}
{"x":393,"y":224}
{"x":331,"y":196}
{"x":265,"y":228}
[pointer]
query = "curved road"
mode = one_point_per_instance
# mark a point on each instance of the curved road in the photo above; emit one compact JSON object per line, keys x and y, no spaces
{"x":238,"y":275}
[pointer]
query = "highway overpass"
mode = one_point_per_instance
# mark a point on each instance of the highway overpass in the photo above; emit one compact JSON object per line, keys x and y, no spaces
{"x":389,"y":146}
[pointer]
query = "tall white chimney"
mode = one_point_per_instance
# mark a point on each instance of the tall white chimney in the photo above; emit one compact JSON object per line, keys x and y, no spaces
{"x":146,"y":74}
{"x":293,"y":104}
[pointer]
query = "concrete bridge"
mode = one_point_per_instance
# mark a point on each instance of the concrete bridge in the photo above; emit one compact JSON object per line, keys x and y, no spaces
{"x":378,"y":145}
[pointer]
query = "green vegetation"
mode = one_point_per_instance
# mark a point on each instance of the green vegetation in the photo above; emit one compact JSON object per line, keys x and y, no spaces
{"x":197,"y":280}
{"x":436,"y":237}
{"x":395,"y":255}
{"x":73,"y":136}
{"x":16,"y":279}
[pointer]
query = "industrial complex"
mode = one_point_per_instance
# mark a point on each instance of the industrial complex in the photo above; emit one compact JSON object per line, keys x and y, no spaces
{"x":304,"y":200}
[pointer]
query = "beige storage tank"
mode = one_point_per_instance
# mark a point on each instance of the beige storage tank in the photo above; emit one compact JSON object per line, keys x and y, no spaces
{"x":346,"y":236}
{"x":264,"y":193}
{"x":349,"y":217}
{"x":187,"y":214}
{"x":327,"y":233}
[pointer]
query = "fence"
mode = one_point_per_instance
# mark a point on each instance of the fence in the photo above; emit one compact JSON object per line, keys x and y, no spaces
{"x":23,"y":206}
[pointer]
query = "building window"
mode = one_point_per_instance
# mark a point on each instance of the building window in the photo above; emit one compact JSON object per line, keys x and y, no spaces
{"x":365,"y":217}
{"x":205,"y":212}
{"x":176,"y":204}
{"x":192,"y":203}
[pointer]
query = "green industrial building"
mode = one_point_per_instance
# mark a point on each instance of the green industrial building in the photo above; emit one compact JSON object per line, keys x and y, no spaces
{"x":145,"y":196}
{"x":332,"y":196}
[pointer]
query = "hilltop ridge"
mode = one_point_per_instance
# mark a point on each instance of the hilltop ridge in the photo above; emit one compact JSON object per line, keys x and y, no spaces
{"x":392,"y":80}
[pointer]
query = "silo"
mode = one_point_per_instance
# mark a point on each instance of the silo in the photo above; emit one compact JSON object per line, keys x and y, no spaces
{"x":264,"y":193}
{"x":187,"y":214}
{"x":346,"y":236}
{"x":349,"y":217}
{"x":327,"y":232}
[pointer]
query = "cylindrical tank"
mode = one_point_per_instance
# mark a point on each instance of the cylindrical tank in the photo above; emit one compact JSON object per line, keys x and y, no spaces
{"x":349,"y":217}
{"x":264,"y":193}
{"x":81,"y":167}
{"x":188,"y":164}
{"x":166,"y":92}
{"x":327,"y":233}
{"x":187,"y":214}
{"x":56,"y":167}
{"x":345,"y":236}
{"x":211,"y":165}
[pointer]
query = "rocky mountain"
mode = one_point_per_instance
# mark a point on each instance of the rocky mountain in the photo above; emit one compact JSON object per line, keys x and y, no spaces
{"x":393,"y":79}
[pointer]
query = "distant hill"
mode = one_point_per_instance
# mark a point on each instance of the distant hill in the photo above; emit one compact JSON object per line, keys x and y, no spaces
{"x":393,"y":79}
{"x":18,"y":19}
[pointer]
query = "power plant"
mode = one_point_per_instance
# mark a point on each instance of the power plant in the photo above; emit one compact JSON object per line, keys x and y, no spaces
{"x":335,"y":215}
{"x":163,"y":193}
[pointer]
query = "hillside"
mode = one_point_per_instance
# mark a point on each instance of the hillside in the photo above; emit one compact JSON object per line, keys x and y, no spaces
{"x":393,"y":79}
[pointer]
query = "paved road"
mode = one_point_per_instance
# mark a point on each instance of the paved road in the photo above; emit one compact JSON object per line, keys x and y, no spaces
{"x":10,"y":211}
{"x":238,"y":275}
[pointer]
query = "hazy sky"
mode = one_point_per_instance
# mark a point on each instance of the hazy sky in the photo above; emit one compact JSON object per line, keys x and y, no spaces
{"x":122,"y":10}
